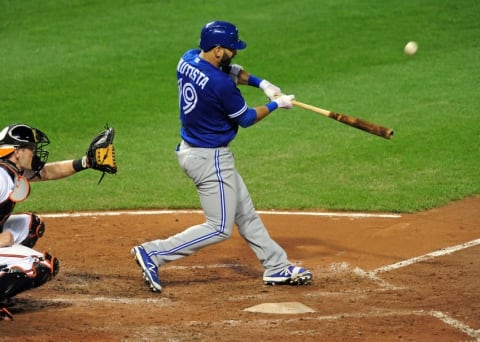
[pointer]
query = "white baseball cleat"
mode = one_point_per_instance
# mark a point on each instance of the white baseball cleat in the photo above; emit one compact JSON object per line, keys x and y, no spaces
{"x":292,"y":275}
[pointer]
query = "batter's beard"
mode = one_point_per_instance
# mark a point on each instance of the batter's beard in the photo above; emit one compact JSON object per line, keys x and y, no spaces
{"x":225,"y":61}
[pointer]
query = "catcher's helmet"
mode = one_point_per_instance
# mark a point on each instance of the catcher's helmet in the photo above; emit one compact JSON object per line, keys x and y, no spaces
{"x":21,"y":135}
{"x":220,"y":33}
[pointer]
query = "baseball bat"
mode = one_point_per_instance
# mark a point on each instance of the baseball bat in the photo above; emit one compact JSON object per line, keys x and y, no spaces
{"x":369,"y":127}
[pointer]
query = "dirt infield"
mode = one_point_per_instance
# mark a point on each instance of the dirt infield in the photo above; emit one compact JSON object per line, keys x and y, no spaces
{"x":407,"y":278}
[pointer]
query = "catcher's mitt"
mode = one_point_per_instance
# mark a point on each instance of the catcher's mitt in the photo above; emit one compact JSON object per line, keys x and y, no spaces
{"x":101,"y":152}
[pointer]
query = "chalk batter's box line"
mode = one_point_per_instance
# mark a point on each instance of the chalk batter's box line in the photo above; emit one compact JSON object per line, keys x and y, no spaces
{"x":261,"y":212}
{"x":428,"y":256}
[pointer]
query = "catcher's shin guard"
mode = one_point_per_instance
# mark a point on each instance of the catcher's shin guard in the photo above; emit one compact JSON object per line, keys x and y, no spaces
{"x":16,"y":280}
{"x":13,"y":282}
{"x":36,"y":230}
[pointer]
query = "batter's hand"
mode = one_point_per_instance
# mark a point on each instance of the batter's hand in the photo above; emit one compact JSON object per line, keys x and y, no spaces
{"x":272,"y":91}
{"x":285,"y":101}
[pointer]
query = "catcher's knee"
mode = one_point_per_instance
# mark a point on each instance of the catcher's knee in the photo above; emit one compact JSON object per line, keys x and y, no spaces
{"x":36,"y":230}
{"x":47,"y":268}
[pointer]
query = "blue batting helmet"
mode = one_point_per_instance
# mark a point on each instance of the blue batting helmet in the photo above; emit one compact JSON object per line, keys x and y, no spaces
{"x":220,"y":33}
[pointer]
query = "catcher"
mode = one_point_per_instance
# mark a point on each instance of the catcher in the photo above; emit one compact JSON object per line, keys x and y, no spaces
{"x":23,"y":159}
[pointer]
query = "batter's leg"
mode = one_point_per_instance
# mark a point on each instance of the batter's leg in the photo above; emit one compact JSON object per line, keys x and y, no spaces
{"x":251,"y":228}
{"x":212,"y":173}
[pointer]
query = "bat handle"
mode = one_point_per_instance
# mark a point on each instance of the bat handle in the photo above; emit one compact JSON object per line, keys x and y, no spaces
{"x":321,"y":111}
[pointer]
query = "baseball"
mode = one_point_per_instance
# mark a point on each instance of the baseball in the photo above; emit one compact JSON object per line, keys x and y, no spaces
{"x":411,"y":48}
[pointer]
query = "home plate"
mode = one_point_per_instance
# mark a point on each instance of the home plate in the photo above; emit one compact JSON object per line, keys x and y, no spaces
{"x":280,"y":308}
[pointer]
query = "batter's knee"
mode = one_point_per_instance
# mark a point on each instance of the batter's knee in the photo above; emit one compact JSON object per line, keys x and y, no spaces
{"x":224,"y":233}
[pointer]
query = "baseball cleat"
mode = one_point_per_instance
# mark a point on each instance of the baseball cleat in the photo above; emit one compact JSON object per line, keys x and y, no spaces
{"x":150,"y":270}
{"x":292,"y":275}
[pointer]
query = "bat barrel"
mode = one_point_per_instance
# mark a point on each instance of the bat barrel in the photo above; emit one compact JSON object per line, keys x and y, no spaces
{"x":366,"y":126}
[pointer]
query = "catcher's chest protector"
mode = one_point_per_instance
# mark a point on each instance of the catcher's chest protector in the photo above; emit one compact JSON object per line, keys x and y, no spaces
{"x":19,"y":193}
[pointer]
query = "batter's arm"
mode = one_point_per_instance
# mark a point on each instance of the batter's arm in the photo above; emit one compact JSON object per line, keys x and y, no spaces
{"x":242,"y":77}
{"x":262,"y":113}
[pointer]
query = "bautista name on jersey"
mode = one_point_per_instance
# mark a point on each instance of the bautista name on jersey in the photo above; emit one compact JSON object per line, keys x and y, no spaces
{"x":193,"y":73}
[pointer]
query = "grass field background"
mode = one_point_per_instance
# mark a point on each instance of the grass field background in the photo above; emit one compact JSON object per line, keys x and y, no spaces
{"x":70,"y":67}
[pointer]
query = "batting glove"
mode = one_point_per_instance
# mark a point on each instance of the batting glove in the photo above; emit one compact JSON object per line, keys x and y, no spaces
{"x":284,"y":101}
{"x":234,"y":71}
{"x":270,"y":90}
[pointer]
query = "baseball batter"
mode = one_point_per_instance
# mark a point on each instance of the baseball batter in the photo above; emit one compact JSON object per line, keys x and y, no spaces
{"x":211,"y":110}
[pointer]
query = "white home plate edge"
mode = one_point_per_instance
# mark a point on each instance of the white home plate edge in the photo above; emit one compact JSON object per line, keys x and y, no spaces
{"x":281,"y":308}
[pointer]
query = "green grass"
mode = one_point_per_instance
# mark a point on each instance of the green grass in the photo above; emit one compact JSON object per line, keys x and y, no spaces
{"x":70,"y":67}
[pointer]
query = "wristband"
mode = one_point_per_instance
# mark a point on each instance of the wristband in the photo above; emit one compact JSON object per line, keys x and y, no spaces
{"x":80,"y":164}
{"x":272,"y":106}
{"x":254,"y":81}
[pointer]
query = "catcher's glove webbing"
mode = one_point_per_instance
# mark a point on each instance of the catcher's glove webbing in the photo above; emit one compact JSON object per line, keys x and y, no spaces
{"x":101,"y":153}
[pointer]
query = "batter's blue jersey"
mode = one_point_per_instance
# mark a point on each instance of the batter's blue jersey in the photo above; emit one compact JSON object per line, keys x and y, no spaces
{"x":210,"y":103}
